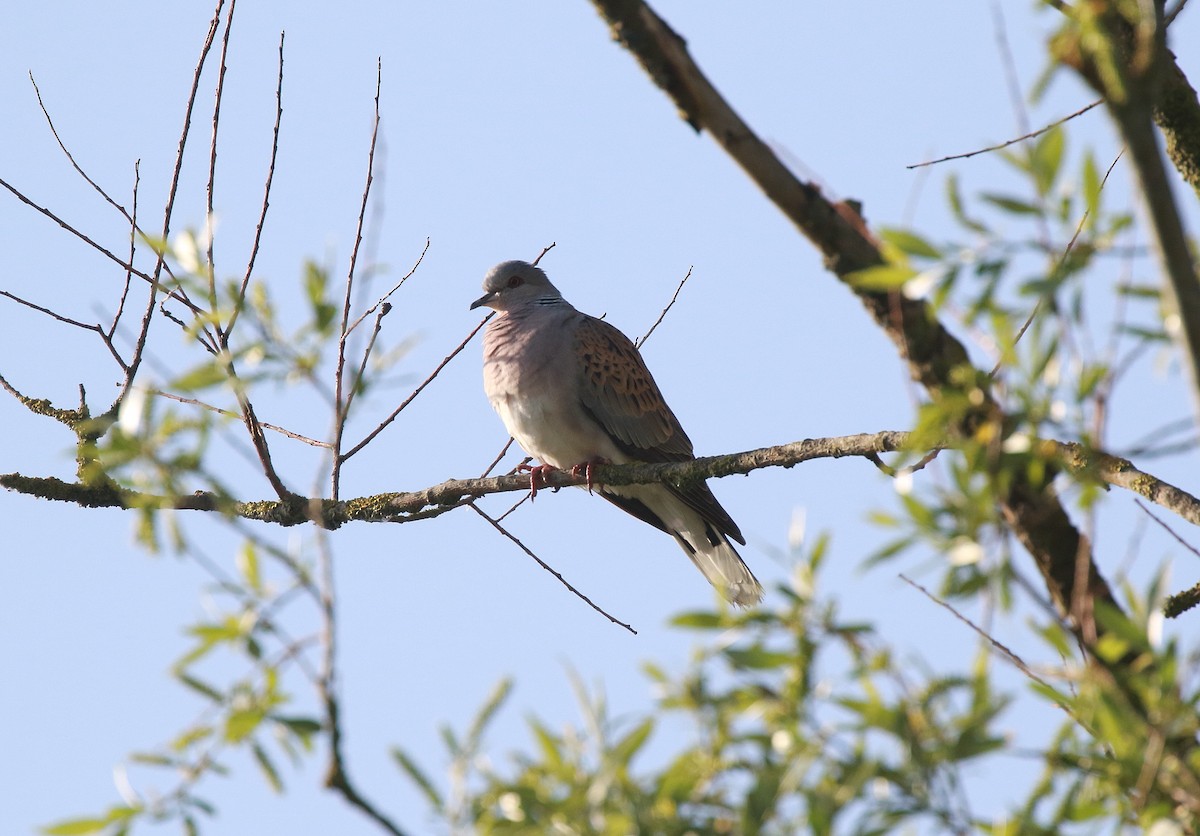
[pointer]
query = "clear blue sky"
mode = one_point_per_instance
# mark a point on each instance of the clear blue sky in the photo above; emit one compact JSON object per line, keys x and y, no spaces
{"x":505,"y":127}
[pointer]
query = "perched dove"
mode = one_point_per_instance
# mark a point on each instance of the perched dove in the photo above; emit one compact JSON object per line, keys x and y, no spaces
{"x":574,"y":391}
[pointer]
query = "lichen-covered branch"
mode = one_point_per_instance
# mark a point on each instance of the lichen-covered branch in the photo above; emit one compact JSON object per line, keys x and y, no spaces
{"x":437,"y":499}
{"x":1120,"y":50}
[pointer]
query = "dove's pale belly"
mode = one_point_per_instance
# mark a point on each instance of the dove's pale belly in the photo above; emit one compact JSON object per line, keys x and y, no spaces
{"x":549,"y":433}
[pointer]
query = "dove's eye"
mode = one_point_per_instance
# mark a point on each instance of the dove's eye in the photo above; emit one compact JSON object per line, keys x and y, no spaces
{"x":516,"y":281}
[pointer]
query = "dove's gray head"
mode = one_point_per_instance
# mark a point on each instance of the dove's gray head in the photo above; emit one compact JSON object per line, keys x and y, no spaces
{"x":514,"y":284}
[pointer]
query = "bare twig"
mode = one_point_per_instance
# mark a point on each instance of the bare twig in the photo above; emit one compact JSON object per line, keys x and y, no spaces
{"x":1004,"y":651}
{"x":384,"y":423}
{"x":210,"y":186}
{"x":340,"y":399}
{"x":1003,"y":145}
{"x":384,"y":298}
{"x":545,"y":250}
{"x":100,"y":248}
{"x":361,"y":372}
{"x":498,"y":458}
{"x":240,"y":303}
{"x":1167,"y":528}
{"x":231,"y":414}
{"x":203,"y":333}
{"x":139,"y":344}
{"x":1062,"y":260}
{"x":496,"y":525}
{"x":71,"y":157}
{"x":336,"y":777}
{"x":129,"y":216}
{"x":663,"y":315}
{"x":133,"y":237}
{"x":97,"y":328}
{"x":526,"y":498}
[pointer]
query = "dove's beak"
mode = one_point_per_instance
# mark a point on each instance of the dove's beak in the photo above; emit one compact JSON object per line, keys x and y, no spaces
{"x":485,"y":299}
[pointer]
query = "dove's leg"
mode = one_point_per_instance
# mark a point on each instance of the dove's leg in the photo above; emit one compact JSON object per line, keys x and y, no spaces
{"x":586,"y":469}
{"x":537,"y":473}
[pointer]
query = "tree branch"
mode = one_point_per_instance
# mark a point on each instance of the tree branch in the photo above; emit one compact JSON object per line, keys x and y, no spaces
{"x":408,"y":506}
{"x":935,"y":358}
{"x":1125,"y":59}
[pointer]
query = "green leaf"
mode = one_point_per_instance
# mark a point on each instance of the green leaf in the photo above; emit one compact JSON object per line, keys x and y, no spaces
{"x":418,"y":777}
{"x":1141,"y":291}
{"x":1013,"y":205}
{"x":151,"y":759}
{"x":910,"y":243}
{"x":302,"y":727}
{"x":699,"y":620}
{"x":757,"y":658}
{"x":241,"y":724}
{"x":630,"y":744}
{"x":199,"y":803}
{"x":192,"y":735}
{"x":1149,"y":334}
{"x":551,"y":751}
{"x":73,"y":827}
{"x":268,"y":768}
{"x":1045,"y":159}
{"x":450,"y":741}
{"x":487,"y":712}
{"x":762,"y":799}
{"x":1091,"y":186}
{"x":210,"y":373}
{"x":200,"y":686}
{"x":247,"y":563}
{"x":954,"y":198}
{"x":316,"y":280}
{"x":881,"y":277}
{"x":680,"y":779}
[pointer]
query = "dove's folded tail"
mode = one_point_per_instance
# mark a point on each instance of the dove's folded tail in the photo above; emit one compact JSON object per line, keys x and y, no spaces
{"x":701,"y":527}
{"x":723,"y":567}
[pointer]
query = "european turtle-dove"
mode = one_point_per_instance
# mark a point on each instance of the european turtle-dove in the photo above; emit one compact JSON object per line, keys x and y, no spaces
{"x":574,"y":391}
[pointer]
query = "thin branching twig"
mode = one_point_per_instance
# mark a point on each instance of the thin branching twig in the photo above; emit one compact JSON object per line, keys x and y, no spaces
{"x":336,"y":775}
{"x":386,"y":421}
{"x":210,"y":232}
{"x":1014,"y":141}
{"x":496,"y":525}
{"x":340,"y":398}
{"x":240,"y":302}
{"x":662,"y":316}
{"x":231,"y":414}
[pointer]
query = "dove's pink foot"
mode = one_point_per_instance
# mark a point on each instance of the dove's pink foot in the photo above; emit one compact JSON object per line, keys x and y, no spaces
{"x":537,"y":473}
{"x":586,"y":469}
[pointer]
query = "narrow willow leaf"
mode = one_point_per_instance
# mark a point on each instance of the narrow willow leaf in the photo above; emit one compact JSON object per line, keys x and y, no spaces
{"x":699,"y":620}
{"x":1045,"y":159}
{"x":247,"y":563}
{"x":268,"y":768}
{"x":241,"y":724}
{"x":910,"y":243}
{"x":419,"y":778}
{"x":1013,"y":205}
{"x":881,"y":277}
{"x":73,"y":827}
{"x":630,"y":744}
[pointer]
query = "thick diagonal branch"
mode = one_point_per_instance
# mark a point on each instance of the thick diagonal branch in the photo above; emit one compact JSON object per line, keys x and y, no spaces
{"x":1127,"y":62}
{"x":935,"y":358}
